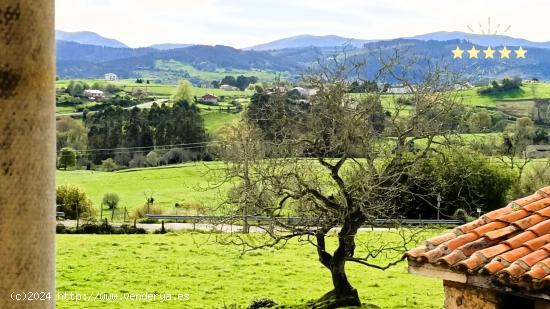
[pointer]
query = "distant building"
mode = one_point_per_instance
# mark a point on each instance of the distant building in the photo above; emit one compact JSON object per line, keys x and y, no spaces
{"x":229,"y":87}
{"x":140,"y":92}
{"x":111,"y":77}
{"x":209,"y":99}
{"x":398,"y":90}
{"x":537,"y":151}
{"x":93,"y":94}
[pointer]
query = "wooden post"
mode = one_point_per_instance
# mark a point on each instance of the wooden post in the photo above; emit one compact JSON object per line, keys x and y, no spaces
{"x":27,"y":151}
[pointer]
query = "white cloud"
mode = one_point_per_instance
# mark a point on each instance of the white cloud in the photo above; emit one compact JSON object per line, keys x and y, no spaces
{"x":243,"y":23}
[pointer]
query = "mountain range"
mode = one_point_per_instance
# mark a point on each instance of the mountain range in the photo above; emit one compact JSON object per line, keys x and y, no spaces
{"x":88,"y":55}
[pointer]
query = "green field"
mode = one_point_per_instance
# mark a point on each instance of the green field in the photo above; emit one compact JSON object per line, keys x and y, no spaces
{"x":215,"y":120}
{"x":215,"y":275}
{"x":218,"y":74}
{"x":184,"y":184}
{"x":159,"y":89}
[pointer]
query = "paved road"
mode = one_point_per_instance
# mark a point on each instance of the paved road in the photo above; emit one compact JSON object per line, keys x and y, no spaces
{"x":140,"y":106}
{"x":226,"y":228}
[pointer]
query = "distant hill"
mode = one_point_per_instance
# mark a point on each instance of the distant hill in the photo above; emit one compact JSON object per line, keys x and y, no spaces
{"x":89,"y":38}
{"x":485,"y":40}
{"x":168,"y":46}
{"x":86,"y":61}
{"x":76,"y":60}
{"x":310,"y":41}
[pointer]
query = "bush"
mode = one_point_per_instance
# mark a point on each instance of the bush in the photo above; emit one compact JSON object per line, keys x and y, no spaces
{"x":111,"y":200}
{"x":139,"y":160}
{"x":68,"y":198}
{"x":262,"y":303}
{"x":100,"y":228}
{"x":108,"y":165}
{"x":535,"y":177}
{"x":463,"y":179}
{"x":140,"y":212}
{"x":152,"y":159}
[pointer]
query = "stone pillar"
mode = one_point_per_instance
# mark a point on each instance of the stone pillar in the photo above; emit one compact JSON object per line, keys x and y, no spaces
{"x":462,"y":296}
{"x":27,"y":153}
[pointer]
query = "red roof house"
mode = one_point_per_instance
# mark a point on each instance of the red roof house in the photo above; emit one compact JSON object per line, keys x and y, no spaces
{"x":501,"y":260}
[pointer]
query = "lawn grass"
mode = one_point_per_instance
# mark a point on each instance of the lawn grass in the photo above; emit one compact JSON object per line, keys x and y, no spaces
{"x":158,"y":89}
{"x":183,"y":184}
{"x":215,"y":275}
{"x":215,"y":120}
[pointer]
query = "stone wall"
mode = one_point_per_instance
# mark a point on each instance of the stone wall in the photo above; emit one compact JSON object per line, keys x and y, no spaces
{"x":462,"y":296}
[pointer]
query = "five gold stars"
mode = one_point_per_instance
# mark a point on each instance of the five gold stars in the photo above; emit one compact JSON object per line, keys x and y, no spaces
{"x":489,"y":53}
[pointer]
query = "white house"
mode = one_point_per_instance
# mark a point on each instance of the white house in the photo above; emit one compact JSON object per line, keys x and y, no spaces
{"x":228,"y":87}
{"x":111,"y":77}
{"x":93,"y":94}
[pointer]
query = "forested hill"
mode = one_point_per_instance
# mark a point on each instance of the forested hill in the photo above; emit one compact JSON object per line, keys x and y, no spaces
{"x":86,"y":61}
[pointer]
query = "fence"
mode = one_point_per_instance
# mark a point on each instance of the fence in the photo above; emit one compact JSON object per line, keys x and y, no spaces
{"x":297,"y":220}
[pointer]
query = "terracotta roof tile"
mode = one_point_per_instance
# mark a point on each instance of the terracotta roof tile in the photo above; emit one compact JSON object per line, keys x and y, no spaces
{"x":514,"y":216}
{"x":514,"y":255}
{"x":436,"y":241}
{"x":468,"y":227}
{"x":541,"y":228}
{"x":520,"y":239}
{"x":528,"y":222}
{"x":545,"y":212}
{"x":538,"y":242}
{"x":511,"y":243}
{"x":537,"y":205}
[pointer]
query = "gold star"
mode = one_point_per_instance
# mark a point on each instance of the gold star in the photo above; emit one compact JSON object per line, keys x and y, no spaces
{"x":457,"y":53}
{"x":520,"y":53}
{"x":489,"y":53}
{"x":504,"y":53}
{"x":473,"y":52}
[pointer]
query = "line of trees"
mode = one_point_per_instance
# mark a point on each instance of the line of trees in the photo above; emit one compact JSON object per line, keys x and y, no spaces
{"x":115,"y":127}
{"x":242,"y":82}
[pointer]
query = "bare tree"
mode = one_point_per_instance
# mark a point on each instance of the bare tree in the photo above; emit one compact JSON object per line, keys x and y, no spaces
{"x":335,"y":161}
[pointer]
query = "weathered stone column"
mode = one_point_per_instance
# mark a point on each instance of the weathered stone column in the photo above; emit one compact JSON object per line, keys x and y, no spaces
{"x":27,"y":153}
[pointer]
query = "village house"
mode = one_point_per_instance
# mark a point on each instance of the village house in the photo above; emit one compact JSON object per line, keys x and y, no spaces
{"x":93,"y":94}
{"x":111,"y":77}
{"x":229,"y":87}
{"x":209,"y":99}
{"x":537,"y":151}
{"x":139,"y":92}
{"x":499,"y":261}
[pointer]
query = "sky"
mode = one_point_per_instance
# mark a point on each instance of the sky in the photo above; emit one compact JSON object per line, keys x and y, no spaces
{"x":245,"y":23}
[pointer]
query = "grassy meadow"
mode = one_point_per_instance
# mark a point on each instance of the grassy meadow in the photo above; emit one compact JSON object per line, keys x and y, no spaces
{"x":215,"y":275}
{"x":185,"y":184}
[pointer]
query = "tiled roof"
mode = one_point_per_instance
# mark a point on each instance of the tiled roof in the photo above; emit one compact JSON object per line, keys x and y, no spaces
{"x":510,"y":244}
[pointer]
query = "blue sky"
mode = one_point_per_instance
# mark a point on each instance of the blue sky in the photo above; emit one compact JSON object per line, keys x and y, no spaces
{"x":243,"y":23}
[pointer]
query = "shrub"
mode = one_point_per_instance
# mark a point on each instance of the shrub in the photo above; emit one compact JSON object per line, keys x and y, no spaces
{"x":152,"y":159}
{"x":463,"y":179}
{"x":140,"y":212}
{"x":69,"y":198}
{"x":262,"y":303}
{"x":535,"y":177}
{"x":67,"y":158}
{"x":108,"y":165}
{"x":139,"y":160}
{"x":111,"y":200}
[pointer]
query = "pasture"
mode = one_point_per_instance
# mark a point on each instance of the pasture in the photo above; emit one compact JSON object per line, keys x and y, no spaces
{"x":185,"y":184}
{"x":215,"y":275}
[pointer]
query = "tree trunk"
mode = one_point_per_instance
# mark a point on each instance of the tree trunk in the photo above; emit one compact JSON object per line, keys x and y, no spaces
{"x":343,"y":294}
